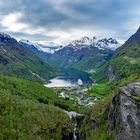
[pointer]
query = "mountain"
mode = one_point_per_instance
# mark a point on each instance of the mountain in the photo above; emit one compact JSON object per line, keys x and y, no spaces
{"x":31,"y":111}
{"x":79,"y":56}
{"x":18,"y":61}
{"x":117,"y":116}
{"x":84,"y":54}
{"x":48,"y":48}
{"x":42,"y":51}
{"x":87,"y":42}
{"x":126,"y":60}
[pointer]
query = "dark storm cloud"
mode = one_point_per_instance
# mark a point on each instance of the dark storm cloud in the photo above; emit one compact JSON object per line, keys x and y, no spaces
{"x":118,"y":17}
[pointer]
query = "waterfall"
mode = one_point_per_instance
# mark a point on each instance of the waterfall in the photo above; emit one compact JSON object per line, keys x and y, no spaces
{"x":72,"y":115}
{"x":74,"y":131}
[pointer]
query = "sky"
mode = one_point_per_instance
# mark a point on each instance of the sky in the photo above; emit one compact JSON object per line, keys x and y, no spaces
{"x":61,"y":21}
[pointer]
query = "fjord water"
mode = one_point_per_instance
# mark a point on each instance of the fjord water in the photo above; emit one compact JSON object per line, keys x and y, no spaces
{"x":66,"y":81}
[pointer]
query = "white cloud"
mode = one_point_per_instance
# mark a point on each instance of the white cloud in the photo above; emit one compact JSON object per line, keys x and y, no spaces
{"x":62,"y":21}
{"x":10,"y":22}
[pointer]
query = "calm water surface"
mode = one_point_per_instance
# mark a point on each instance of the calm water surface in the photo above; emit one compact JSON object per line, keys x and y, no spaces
{"x":63,"y":81}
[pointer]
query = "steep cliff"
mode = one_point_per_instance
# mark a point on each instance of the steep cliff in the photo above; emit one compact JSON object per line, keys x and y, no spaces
{"x":111,"y":74}
{"x":116,"y":118}
{"x":124,"y":116}
{"x":126,"y":60}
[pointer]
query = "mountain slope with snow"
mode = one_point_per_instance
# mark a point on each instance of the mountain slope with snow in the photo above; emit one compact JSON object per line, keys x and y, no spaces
{"x":85,"y":54}
{"x":48,"y":48}
{"x":21,"y":62}
{"x":86,"y":42}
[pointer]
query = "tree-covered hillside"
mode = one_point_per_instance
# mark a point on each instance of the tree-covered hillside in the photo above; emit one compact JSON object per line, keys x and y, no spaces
{"x":30,"y":111}
{"x":20,"y":62}
{"x":126,"y":60}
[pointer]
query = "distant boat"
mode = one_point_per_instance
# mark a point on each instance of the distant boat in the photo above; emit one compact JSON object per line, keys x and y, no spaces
{"x":80,"y":82}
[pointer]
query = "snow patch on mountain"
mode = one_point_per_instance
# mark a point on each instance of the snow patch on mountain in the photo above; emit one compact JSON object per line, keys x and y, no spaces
{"x":109,"y":43}
{"x":6,"y":38}
{"x":48,"y":48}
{"x":86,"y":42}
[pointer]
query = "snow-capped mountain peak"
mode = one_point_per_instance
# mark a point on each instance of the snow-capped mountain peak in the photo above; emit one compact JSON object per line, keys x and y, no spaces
{"x":7,"y":38}
{"x":41,"y":47}
{"x":86,"y":42}
{"x":5,"y":35}
{"x":83,"y":41}
{"x":107,"y":43}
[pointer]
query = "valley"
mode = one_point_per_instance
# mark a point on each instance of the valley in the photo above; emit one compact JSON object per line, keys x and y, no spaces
{"x":82,"y":91}
{"x":81,"y":95}
{"x":69,"y":69}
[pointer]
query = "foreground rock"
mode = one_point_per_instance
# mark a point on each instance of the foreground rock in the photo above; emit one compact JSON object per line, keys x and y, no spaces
{"x":115,"y":119}
{"x":124,"y":114}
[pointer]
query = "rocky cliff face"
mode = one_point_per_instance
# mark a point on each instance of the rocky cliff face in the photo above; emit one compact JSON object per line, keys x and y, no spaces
{"x":115,"y":119}
{"x":124,"y":116}
{"x":111,"y":74}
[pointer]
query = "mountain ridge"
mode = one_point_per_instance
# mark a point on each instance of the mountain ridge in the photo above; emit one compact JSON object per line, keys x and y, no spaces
{"x":101,"y":43}
{"x":125,"y":61}
{"x":44,"y":48}
{"x":18,"y":61}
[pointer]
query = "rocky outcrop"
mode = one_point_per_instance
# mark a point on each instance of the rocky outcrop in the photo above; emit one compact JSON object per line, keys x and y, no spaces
{"x":118,"y":119}
{"x":111,"y":74}
{"x":124,"y":116}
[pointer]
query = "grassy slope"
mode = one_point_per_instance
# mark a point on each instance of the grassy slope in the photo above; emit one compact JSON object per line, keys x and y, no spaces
{"x":100,"y":75}
{"x":126,"y":61}
{"x":30,"y":111}
{"x":100,"y":111}
{"x":20,"y":62}
{"x":99,"y":90}
{"x":28,"y":119}
{"x":95,"y":65}
{"x":95,"y":124}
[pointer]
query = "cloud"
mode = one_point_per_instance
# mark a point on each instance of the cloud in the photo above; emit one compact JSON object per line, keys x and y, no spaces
{"x":64,"y":20}
{"x":10,"y":22}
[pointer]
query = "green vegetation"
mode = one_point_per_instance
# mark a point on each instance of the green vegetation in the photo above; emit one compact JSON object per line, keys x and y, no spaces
{"x":95,"y":125}
{"x":126,"y":67}
{"x":28,"y":119}
{"x":95,"y":60}
{"x":126,"y":61}
{"x":99,"y":90}
{"x":29,"y":110}
{"x":137,"y":96}
{"x":100,"y":76}
{"x":34,"y":91}
{"x":20,"y":62}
